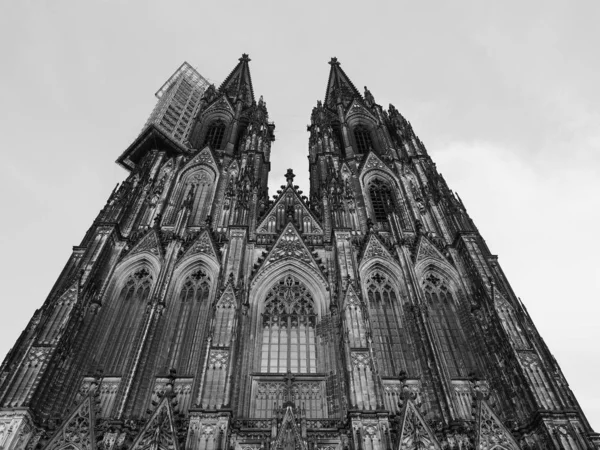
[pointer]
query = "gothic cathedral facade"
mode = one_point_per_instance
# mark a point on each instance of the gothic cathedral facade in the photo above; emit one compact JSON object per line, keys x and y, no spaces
{"x":200,"y":313}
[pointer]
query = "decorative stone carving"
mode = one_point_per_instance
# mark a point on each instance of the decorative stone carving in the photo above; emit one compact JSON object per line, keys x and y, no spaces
{"x":78,"y":429}
{"x":491,"y":433}
{"x":203,"y":244}
{"x":149,"y":243}
{"x":415,"y":433}
{"x":159,"y":433}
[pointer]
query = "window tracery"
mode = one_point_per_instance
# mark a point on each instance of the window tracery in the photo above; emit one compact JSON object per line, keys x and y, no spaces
{"x":362,"y":137}
{"x":288,"y":329}
{"x":129,"y":311}
{"x":390,"y":337}
{"x":381,"y":200}
{"x":190,"y":323}
{"x":447,"y":326}
{"x":214,"y":135}
{"x":199,"y":188}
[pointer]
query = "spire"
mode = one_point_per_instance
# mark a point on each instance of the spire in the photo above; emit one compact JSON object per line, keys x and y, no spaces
{"x":238,"y":85}
{"x":339,"y":86}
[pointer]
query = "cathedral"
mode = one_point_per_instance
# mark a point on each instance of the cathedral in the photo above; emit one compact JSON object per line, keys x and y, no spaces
{"x":201,"y":313}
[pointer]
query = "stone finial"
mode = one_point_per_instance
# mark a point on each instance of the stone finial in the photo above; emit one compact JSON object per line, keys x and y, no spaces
{"x":289,"y":177}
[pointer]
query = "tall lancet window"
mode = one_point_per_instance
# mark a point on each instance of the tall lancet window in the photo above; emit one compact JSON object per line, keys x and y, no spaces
{"x":288,"y":329}
{"x":390,"y":338}
{"x":199,"y":190}
{"x":190,"y":324}
{"x":214,"y":135}
{"x":446,"y":324}
{"x":128,"y":314}
{"x":381,"y":200}
{"x":362,"y":136}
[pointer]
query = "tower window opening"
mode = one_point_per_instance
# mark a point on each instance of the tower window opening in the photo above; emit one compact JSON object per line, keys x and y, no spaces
{"x":214,"y":135}
{"x":362,"y":136}
{"x":240,"y":138}
{"x":381,"y":200}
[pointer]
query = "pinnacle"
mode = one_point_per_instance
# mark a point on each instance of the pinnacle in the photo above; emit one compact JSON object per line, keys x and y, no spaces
{"x":334,"y":62}
{"x":289,"y":177}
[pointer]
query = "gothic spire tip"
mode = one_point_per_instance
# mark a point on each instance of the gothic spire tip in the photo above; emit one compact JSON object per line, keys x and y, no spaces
{"x":245,"y":58}
{"x":334,"y":62}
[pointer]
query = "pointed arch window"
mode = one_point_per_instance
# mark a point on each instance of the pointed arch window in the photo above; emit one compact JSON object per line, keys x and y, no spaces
{"x":362,"y":137}
{"x":190,"y":323}
{"x":390,"y":337}
{"x":381,"y":200}
{"x":215,"y":134}
{"x":198,"y":196}
{"x":444,"y":318}
{"x":288,"y":329}
{"x":129,"y":311}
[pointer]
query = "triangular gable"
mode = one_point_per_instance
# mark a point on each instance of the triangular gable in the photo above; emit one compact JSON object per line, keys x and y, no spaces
{"x":372,"y":161}
{"x":358,"y":108}
{"x":203,"y":244}
{"x":345,"y":170}
{"x":425,"y":250}
{"x":78,"y":429}
{"x":159,"y":433}
{"x":415,"y":432}
{"x":221,"y":102}
{"x":149,"y":243}
{"x":227,"y":299}
{"x":316,"y":226}
{"x":71,"y":294}
{"x":491,"y":433}
{"x":375,"y":249}
{"x":233,"y":166}
{"x":351,"y":298}
{"x":203,"y":157}
{"x":288,"y":435}
{"x":290,"y":245}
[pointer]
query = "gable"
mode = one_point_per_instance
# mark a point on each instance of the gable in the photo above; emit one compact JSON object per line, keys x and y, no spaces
{"x":202,"y":244}
{"x":351,"y":298}
{"x":288,"y":199}
{"x":289,"y":245}
{"x":149,"y":243}
{"x":203,"y":157}
{"x":219,"y":104}
{"x":159,"y":433}
{"x":288,"y":435}
{"x":415,"y":432}
{"x":227,"y":299}
{"x":373,"y":162}
{"x":78,"y":429}
{"x":375,"y":249}
{"x":358,"y":109}
{"x":426,"y":250}
{"x":491,"y":432}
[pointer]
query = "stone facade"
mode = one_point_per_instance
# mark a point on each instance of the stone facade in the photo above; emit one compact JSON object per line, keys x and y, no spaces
{"x":201,"y":313}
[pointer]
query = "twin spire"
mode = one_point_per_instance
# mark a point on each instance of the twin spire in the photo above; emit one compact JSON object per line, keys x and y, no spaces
{"x":238,"y":84}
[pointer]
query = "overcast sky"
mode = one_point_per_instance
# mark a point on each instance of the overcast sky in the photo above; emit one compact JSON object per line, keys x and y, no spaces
{"x":506,"y":99}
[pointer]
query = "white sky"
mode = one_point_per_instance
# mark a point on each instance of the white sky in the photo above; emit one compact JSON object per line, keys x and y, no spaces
{"x":506,"y":99}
